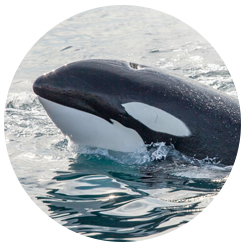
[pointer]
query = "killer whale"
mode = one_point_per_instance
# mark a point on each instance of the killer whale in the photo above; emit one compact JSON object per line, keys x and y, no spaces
{"x":120,"y":106}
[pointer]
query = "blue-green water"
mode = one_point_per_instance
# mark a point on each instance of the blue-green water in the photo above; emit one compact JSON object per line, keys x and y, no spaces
{"x":96,"y":192}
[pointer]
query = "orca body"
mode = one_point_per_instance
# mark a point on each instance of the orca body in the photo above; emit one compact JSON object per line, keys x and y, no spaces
{"x":121,"y":106}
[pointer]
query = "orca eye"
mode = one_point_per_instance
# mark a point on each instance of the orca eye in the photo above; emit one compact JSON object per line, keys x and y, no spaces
{"x":134,"y":65}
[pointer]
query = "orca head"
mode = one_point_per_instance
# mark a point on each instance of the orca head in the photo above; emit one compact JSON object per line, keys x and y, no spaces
{"x":131,"y":95}
{"x":82,"y":99}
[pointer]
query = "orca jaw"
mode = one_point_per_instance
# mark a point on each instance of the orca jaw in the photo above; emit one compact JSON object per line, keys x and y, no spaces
{"x":87,"y":129}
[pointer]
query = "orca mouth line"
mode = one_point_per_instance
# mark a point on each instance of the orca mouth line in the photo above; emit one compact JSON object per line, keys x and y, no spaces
{"x":137,"y":107}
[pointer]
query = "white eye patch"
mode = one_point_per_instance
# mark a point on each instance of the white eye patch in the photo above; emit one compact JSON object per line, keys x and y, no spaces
{"x":157,"y":119}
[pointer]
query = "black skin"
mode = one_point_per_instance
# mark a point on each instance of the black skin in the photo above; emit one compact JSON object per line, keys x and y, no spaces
{"x":100,"y":87}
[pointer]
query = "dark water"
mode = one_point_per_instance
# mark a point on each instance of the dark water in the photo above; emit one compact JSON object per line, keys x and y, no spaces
{"x":95,"y":192}
{"x":112,"y":201}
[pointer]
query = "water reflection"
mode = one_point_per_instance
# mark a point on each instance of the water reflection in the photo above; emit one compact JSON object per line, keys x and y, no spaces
{"x":103,"y":199}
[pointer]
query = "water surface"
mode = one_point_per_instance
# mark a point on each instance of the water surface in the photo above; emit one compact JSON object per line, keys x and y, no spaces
{"x":99,"y":193}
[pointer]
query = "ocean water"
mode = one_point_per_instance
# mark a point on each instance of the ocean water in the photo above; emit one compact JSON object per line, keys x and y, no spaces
{"x":96,"y":192}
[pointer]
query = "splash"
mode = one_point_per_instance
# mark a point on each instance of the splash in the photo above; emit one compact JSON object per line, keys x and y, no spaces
{"x":155,"y":152}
